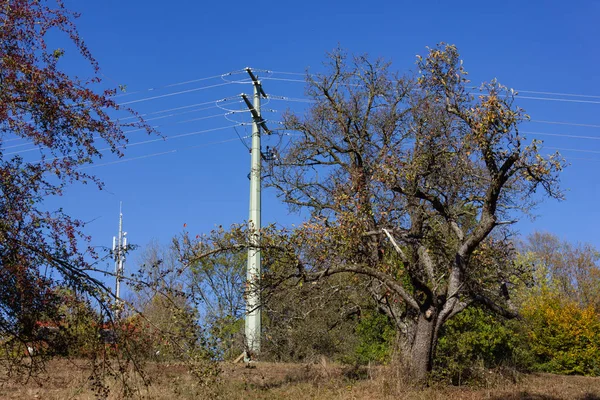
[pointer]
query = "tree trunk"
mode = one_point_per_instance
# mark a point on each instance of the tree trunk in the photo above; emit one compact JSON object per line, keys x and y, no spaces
{"x":418,"y":354}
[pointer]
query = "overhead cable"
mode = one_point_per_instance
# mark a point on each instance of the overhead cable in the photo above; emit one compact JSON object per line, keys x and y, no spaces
{"x":172,"y":85}
{"x":174,"y":94}
{"x":561,"y":135}
{"x":158,"y":154}
{"x":516,"y":90}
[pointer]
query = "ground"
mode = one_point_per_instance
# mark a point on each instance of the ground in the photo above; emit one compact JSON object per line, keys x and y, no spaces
{"x":70,"y":380}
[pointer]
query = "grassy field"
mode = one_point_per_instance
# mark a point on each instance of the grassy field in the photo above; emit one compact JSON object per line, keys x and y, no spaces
{"x":68,"y":380}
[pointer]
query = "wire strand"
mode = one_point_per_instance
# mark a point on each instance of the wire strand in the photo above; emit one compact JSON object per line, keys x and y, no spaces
{"x":158,"y":154}
{"x":561,"y":135}
{"x":242,"y":140}
{"x":517,"y":90}
{"x":172,"y":85}
{"x":174,"y":94}
{"x":576,"y":150}
{"x":215,"y":102}
{"x":565,"y":123}
{"x":128,"y":145}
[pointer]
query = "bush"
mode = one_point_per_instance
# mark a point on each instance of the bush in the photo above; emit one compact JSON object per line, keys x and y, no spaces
{"x":563,"y":335}
{"x":476,"y":341}
{"x":375,"y":338}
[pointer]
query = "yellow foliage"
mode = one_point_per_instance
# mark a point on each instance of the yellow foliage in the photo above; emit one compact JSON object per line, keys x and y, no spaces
{"x":564,"y":336}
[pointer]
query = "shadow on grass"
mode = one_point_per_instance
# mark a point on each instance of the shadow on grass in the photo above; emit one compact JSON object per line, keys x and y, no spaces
{"x":260,"y":382}
{"x":533,"y":396}
{"x":312,"y":374}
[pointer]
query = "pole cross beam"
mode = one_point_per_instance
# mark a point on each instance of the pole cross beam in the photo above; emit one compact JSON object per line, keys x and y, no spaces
{"x":256,"y":118}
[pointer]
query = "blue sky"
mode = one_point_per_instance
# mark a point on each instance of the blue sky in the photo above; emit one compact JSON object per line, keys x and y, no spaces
{"x":532,"y":46}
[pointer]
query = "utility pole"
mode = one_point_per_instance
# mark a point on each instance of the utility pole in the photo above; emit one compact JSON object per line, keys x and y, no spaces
{"x":253,"y":271}
{"x":119,"y":248}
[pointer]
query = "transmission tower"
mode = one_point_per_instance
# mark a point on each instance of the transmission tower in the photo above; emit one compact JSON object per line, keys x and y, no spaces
{"x":253,"y":271}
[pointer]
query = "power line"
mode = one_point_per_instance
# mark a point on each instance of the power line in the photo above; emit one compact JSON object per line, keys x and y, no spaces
{"x":158,"y":154}
{"x":516,"y":90}
{"x":176,"y":84}
{"x":517,"y":97}
{"x":179,"y":113}
{"x":577,"y":150}
{"x":559,"y":94}
{"x":284,"y":98}
{"x":301,"y":100}
{"x":226,"y":141}
{"x":29,"y":143}
{"x":565,"y":123}
{"x":172,"y":137}
{"x":128,"y":159}
{"x":289,"y":73}
{"x":559,"y":100}
{"x":284,"y":80}
{"x":128,"y":145}
{"x":153,"y":140}
{"x":174,"y":94}
{"x":215,"y":102}
{"x":561,"y":135}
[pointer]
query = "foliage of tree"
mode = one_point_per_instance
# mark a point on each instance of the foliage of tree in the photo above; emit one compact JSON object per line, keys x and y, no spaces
{"x":561,"y":314}
{"x":376,"y":338}
{"x":476,"y":341}
{"x":303,"y":323}
{"x":69,"y":119}
{"x":219,"y":283}
{"x":564,"y":336}
{"x":559,"y":326}
{"x":571,"y":270}
{"x":410,"y":182}
{"x":165,"y":311}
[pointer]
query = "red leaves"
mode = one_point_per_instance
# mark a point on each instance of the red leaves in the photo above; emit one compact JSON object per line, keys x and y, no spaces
{"x":38,"y":101}
{"x":64,"y":117}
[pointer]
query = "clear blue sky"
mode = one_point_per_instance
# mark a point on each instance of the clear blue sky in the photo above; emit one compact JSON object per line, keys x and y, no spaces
{"x":545,"y":46}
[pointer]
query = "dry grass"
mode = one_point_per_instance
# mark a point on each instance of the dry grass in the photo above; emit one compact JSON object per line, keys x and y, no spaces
{"x":67,"y":380}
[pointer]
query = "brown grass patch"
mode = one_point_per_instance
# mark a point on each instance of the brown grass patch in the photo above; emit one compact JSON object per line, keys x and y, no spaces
{"x":70,"y":380}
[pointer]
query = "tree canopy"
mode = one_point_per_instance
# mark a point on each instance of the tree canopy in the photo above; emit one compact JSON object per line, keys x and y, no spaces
{"x":412,"y":181}
{"x":67,"y":118}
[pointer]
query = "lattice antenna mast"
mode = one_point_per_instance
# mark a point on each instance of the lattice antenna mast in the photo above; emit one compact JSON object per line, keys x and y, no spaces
{"x":253,"y":271}
{"x":119,"y":250}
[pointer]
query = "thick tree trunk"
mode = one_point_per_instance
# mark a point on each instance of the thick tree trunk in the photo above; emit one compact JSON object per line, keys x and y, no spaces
{"x":418,"y":352}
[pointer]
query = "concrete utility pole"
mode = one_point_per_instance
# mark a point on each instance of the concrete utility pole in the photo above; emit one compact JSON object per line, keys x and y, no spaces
{"x":253,"y":271}
{"x":119,"y":247}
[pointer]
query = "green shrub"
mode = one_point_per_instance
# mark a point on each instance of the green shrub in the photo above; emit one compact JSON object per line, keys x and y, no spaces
{"x":374,"y":339}
{"x":475,"y":341}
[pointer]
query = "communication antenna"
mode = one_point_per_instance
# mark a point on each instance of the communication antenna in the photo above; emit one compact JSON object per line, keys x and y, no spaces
{"x":119,"y":249}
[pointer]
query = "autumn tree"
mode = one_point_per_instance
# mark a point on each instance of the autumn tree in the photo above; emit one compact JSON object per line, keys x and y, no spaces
{"x":218,"y":285}
{"x":161,"y":307}
{"x":327,"y":318}
{"x":412,"y":183}
{"x":69,"y":119}
{"x":562,"y":309}
{"x":570,"y":270}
